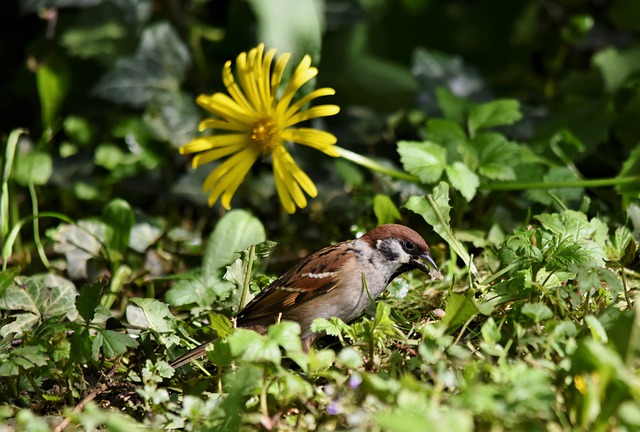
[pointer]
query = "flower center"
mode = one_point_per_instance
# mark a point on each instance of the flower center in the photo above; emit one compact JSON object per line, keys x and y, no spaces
{"x":265,"y":134}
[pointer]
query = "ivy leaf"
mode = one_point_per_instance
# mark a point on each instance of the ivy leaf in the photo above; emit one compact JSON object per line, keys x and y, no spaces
{"x":157,"y":68}
{"x":426,"y":160}
{"x":495,"y":113}
{"x":463,"y":179}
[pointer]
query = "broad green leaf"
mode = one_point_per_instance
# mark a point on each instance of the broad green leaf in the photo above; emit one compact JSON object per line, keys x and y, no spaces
{"x":453,"y":107}
{"x":385,"y":210}
{"x":112,"y":343}
{"x":173,"y":117}
{"x":118,"y":219}
{"x":495,"y":113}
{"x":235,"y":232}
{"x":7,"y":279}
{"x":157,"y":68}
{"x":497,"y":156}
{"x":445,"y":132}
{"x":320,"y":360}
{"x":39,"y":300}
{"x":463,"y":179}
{"x":459,"y":310}
{"x":89,"y":299}
{"x":426,"y":160}
{"x":195,"y":291}
{"x":157,"y":314}
{"x":491,"y":332}
{"x":537,"y":311}
{"x":622,"y":248}
{"x":35,"y":168}
{"x":286,"y":334}
{"x":253,"y":347}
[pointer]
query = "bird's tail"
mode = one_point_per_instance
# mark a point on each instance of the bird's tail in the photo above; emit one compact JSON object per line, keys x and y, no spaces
{"x":192,"y":354}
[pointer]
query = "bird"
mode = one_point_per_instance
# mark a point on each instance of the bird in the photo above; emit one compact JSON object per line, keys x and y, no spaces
{"x":340,"y":281}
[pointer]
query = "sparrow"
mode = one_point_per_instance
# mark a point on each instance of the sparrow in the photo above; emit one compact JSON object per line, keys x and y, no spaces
{"x":339,"y":281}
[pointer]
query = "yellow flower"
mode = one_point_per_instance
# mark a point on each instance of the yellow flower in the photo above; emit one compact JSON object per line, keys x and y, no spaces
{"x":259,"y":123}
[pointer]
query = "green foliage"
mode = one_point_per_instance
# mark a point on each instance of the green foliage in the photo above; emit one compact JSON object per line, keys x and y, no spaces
{"x":511,"y":138}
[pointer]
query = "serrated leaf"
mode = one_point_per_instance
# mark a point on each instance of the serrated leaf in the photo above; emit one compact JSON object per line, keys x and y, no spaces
{"x":463,"y":179}
{"x":501,"y":112}
{"x":426,"y":160}
{"x":496,"y":156}
{"x":385,"y":210}
{"x":157,"y":314}
{"x":23,"y":358}
{"x":89,"y":299}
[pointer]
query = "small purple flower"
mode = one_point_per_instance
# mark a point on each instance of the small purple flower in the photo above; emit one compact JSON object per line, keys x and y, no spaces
{"x":328,"y":390}
{"x":355,"y":380}
{"x":333,"y":408}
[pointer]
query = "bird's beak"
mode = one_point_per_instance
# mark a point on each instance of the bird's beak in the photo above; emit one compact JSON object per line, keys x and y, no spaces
{"x":431,"y":268}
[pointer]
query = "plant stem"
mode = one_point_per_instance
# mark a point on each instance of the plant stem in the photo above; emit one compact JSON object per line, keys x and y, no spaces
{"x":366,"y":162}
{"x":594,"y":183}
{"x":247,"y":277}
{"x":36,"y":227}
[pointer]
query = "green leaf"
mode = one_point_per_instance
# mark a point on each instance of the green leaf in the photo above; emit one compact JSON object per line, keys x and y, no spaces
{"x":89,"y":299}
{"x":286,"y":334}
{"x":23,"y":358}
{"x":235,"y":232}
{"x":597,"y":330}
{"x":495,"y":113}
{"x":157,"y":314}
{"x":118,"y":219}
{"x":53,"y":84}
{"x":253,"y":347}
{"x":537,"y":311}
{"x":463,"y":179}
{"x":195,"y":291}
{"x":497,"y":156}
{"x":426,"y":160}
{"x":157,"y":68}
{"x":385,"y":210}
{"x":112,"y":343}
{"x":622,"y":248}
{"x":350,"y":358}
{"x":617,"y":66}
{"x":79,"y":243}
{"x":459,"y":310}
{"x":435,"y":210}
{"x":453,"y":107}
{"x":173,"y":117}
{"x":445,"y":132}
{"x":38,"y":300}
{"x":35,"y":167}
{"x":289,"y":26}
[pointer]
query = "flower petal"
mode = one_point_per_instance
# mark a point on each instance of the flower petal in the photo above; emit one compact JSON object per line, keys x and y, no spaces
{"x":317,"y":139}
{"x":222,"y":124}
{"x":212,"y":155}
{"x":234,"y":89}
{"x":291,"y":187}
{"x":289,"y":164}
{"x":223,"y":106}
{"x":313,"y":112}
{"x":211,"y":142}
{"x":325,"y":91}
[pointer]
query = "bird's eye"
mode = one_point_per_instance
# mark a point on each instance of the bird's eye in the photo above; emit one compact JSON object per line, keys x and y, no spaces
{"x":408,"y":245}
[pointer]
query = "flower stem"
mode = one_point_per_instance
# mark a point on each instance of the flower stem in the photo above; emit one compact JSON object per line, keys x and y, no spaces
{"x":366,"y":162}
